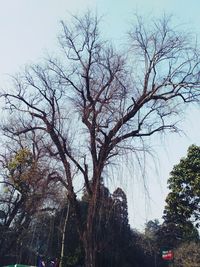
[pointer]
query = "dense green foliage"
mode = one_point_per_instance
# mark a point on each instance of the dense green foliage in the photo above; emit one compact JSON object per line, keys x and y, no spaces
{"x":183,"y":201}
{"x":179,"y":230}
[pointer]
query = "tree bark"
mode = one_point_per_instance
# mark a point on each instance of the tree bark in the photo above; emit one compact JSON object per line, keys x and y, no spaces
{"x":90,"y":239}
{"x":89,"y":246}
{"x":63,"y":236}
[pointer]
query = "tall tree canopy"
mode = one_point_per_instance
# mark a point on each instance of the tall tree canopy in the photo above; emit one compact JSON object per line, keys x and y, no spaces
{"x":183,"y":201}
{"x":94,"y":103}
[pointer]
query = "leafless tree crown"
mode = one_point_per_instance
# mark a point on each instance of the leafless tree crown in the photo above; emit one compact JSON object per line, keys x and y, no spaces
{"x":93,"y":100}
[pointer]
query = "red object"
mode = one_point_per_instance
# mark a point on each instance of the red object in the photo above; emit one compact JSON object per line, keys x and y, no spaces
{"x":167,"y":255}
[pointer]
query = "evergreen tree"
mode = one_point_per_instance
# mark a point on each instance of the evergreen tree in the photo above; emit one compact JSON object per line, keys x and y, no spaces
{"x":182,"y":209}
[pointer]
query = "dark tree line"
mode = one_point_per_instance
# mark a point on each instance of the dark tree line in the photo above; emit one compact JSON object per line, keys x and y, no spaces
{"x":118,"y":245}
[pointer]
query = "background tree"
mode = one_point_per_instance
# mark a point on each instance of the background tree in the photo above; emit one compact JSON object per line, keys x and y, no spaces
{"x":183,"y":201}
{"x":29,"y":186}
{"x":156,"y":238}
{"x":94,"y":103}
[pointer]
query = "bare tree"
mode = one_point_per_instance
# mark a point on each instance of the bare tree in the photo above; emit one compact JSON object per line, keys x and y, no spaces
{"x":95,"y":103}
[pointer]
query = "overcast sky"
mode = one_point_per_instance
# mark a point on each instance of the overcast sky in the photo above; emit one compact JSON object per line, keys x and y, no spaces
{"x":29,"y":28}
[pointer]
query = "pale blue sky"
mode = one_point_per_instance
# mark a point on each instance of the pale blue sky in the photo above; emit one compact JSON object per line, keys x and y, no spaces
{"x":28,"y":28}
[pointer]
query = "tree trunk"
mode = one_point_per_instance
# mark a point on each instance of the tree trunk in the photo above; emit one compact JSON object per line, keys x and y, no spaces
{"x":90,"y":236}
{"x":63,"y":236}
{"x":89,"y":247}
